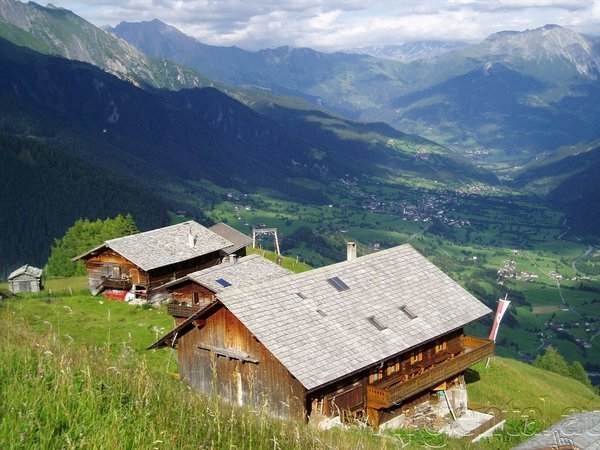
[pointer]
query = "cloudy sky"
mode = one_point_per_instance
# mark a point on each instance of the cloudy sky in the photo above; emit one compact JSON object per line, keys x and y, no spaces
{"x":329,"y":25}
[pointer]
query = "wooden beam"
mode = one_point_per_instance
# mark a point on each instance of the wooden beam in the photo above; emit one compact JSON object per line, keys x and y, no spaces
{"x":228,"y":353}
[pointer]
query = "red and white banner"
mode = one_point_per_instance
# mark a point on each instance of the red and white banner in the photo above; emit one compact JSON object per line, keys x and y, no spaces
{"x":502,"y":307}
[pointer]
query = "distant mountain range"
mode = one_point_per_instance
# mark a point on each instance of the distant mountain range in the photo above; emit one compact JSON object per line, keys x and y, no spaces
{"x":515,"y":94}
{"x":409,"y":51}
{"x":58,"y":31}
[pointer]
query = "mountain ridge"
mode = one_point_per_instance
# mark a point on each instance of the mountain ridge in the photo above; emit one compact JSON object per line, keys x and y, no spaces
{"x":564,"y":64}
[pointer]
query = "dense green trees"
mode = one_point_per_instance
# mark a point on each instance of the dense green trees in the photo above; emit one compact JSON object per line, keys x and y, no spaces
{"x":45,"y":190}
{"x":81,"y":237}
{"x":554,"y":362}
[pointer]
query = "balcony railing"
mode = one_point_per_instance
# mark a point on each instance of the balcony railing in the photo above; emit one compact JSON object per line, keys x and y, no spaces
{"x":178,"y":310}
{"x":390,"y":391}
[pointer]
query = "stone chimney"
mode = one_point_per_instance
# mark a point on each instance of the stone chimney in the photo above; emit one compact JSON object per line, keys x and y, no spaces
{"x":191,"y":239}
{"x":351,"y":251}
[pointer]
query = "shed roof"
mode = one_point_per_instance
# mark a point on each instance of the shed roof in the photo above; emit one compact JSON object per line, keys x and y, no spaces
{"x":239,"y":239}
{"x":26,"y":270}
{"x":164,"y":246}
{"x":239,"y":272}
{"x":330,"y":322}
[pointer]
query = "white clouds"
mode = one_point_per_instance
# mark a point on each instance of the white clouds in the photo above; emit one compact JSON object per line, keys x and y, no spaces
{"x":338,"y":24}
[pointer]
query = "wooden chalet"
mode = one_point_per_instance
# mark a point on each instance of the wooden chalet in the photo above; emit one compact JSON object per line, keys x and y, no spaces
{"x":152,"y":258}
{"x":363,"y":337}
{"x":194,"y":291}
{"x":239,"y":240}
{"x":25,"y":279}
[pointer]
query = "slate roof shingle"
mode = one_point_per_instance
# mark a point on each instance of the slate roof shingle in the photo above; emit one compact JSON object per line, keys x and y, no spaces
{"x":239,"y":239}
{"x":244,"y":271}
{"x":164,"y":246}
{"x":319,"y":348}
{"x":26,"y":270}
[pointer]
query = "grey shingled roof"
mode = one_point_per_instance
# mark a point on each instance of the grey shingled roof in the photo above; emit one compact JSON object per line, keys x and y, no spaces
{"x":26,"y":269}
{"x":244,"y":271}
{"x":321,"y":334}
{"x":168,"y":245}
{"x":239,"y":239}
{"x":581,"y":431}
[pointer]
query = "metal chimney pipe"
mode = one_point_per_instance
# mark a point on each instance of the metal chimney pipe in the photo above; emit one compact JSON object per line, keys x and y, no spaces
{"x":351,"y":251}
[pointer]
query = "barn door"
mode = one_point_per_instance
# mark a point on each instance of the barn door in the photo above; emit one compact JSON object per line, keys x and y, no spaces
{"x":24,"y":286}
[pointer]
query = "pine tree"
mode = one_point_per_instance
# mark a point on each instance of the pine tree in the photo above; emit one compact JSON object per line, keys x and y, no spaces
{"x":553,"y":361}
{"x":579,"y":373}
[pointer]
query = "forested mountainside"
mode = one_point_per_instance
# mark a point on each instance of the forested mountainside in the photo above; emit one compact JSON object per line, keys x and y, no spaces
{"x":567,"y":179}
{"x":58,"y":31}
{"x":44,"y":188}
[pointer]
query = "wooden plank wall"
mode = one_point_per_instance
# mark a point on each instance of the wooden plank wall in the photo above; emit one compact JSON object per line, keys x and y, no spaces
{"x":111,"y":264}
{"x":185,"y":294}
{"x":264,"y":384}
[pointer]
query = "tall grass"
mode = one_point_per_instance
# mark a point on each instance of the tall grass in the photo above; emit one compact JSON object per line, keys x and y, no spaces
{"x":64,"y":396}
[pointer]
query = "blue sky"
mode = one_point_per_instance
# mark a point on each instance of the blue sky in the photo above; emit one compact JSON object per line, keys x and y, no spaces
{"x":329,"y":25}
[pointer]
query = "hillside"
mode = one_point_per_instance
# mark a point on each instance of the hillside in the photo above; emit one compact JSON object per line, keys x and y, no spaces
{"x":567,"y":179}
{"x":45,"y":188}
{"x":514,"y":94}
{"x":81,"y":370}
{"x":57,"y":31}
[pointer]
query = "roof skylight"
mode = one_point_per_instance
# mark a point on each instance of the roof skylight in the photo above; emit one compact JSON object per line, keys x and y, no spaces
{"x":376,"y":323}
{"x":223,"y":282}
{"x":411,"y":315}
{"x":338,"y":284}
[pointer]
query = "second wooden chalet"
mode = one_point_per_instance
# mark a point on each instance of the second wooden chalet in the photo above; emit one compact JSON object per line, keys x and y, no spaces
{"x":153,"y":258}
{"x":363,"y":337}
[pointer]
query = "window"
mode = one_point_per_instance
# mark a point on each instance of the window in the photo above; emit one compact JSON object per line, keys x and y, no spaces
{"x":376,"y":323}
{"x":416,"y":357}
{"x":195,"y":298}
{"x":223,"y":282}
{"x":440,"y":346}
{"x":376,"y":374}
{"x":338,"y":284}
{"x":408,"y":312}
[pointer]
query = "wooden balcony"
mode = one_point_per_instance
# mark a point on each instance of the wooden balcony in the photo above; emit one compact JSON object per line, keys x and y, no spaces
{"x":181,"y":310}
{"x":392,"y":390}
{"x":115,"y":283}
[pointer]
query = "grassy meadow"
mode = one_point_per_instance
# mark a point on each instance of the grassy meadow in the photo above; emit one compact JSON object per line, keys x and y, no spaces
{"x":74,"y":373}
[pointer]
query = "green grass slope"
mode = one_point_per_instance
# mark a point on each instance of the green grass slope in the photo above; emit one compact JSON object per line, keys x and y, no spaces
{"x":74,"y":373}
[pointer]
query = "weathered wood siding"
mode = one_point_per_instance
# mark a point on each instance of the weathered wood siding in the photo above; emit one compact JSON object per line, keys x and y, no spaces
{"x":265,"y":383}
{"x":191,"y":293}
{"x":25,"y":283}
{"x":110,"y":264}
